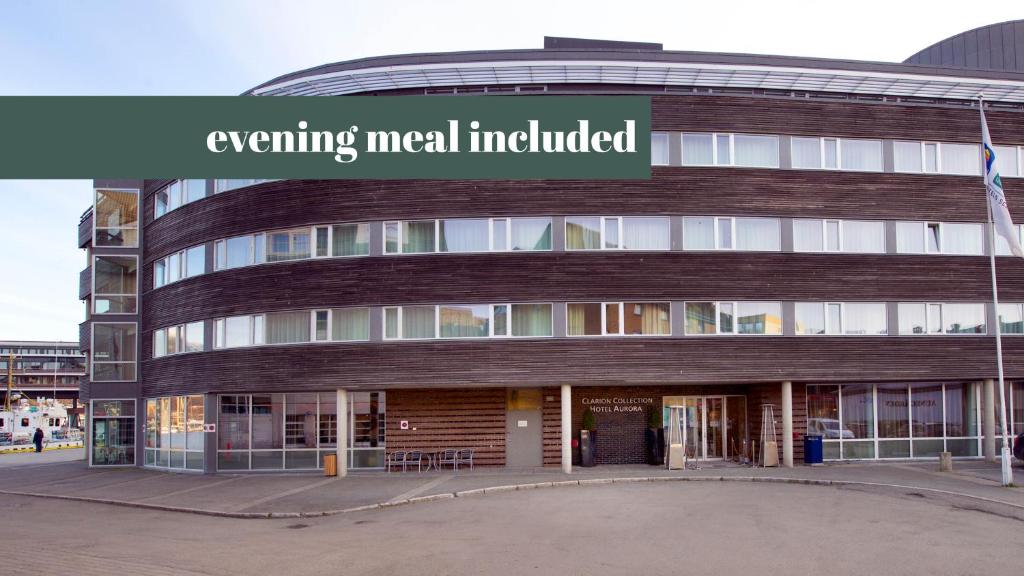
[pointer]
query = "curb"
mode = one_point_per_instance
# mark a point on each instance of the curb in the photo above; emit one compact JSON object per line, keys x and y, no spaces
{"x":45,"y":449}
{"x":509,"y":488}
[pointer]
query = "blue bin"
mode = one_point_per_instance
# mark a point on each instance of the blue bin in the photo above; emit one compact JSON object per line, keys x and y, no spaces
{"x":813,"y":450}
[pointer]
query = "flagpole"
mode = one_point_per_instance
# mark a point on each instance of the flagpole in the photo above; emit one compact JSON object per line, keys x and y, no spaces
{"x":1005,"y":460}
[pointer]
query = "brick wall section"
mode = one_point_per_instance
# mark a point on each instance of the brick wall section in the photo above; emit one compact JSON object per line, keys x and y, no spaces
{"x":468,"y":418}
{"x":552,"y":418}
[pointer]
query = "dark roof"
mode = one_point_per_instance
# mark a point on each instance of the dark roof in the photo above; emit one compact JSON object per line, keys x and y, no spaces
{"x":993,"y":47}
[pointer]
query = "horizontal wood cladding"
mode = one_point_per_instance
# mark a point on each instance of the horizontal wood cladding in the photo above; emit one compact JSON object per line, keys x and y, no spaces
{"x":85,"y":231}
{"x":591,"y":361}
{"x":546,"y":276}
{"x":551,"y":419}
{"x":672,"y":190}
{"x":449,"y":419}
{"x":832,"y":118}
{"x":85,"y":283}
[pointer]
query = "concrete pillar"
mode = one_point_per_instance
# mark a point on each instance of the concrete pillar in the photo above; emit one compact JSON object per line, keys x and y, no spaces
{"x":342,"y":433}
{"x":988,"y":420}
{"x":566,"y":406}
{"x":787,"y":424}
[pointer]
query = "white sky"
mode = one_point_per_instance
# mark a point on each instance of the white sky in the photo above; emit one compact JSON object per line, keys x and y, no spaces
{"x":205,"y":47}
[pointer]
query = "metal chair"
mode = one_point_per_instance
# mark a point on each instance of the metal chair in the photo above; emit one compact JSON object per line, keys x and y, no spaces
{"x":413,"y":456}
{"x":446,"y":457}
{"x":397,"y":458}
{"x":464,"y":455}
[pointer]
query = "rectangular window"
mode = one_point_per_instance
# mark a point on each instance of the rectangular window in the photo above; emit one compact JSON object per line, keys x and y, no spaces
{"x":350,"y":239}
{"x":963,"y":239}
{"x":698,"y":149}
{"x":963,"y":159}
{"x":939,"y":318}
{"x":910,"y":237}
{"x":659,"y":149}
{"x":757,"y":234}
{"x":419,"y":322}
{"x":698,"y":233}
{"x":195,"y":261}
{"x":964,"y":318}
{"x":464,"y":235}
{"x":194,"y":337}
{"x":115,"y":285}
{"x":701,"y":318}
{"x":645,"y":233}
{"x":865,"y":318}
{"x":465,"y":321}
{"x":530,"y":320}
{"x":806,"y":153}
{"x":582,"y":233}
{"x":808,"y":236}
{"x":1002,"y":248}
{"x":810,"y":318}
{"x":112,"y":432}
{"x":863,"y":237}
{"x":418,"y":237}
{"x":237,"y":331}
{"x":637,"y":233}
{"x":759,"y":318}
{"x":288,"y":245}
{"x":225,"y":184}
{"x":322,"y":241}
{"x":864,"y":155}
{"x":756,"y":151}
{"x":239,"y":251}
{"x":724,"y":226}
{"x":391,"y":315}
{"x":830,"y":146}
{"x":1011,"y":318}
{"x":583,"y":319}
{"x":646,"y":319}
{"x":392,"y":237}
{"x":350,"y":324}
{"x":908,"y":157}
{"x":499,"y":234}
{"x":1007,"y":161}
{"x":113,"y":351}
{"x":284,"y":327}
{"x":321,"y":325}
{"x":116,"y":218}
{"x":530,"y":234}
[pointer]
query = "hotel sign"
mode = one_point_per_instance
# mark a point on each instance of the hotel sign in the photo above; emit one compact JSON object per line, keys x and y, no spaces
{"x":618,"y":404}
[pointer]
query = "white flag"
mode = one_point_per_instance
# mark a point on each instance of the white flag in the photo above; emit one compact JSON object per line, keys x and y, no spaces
{"x":996,"y":197}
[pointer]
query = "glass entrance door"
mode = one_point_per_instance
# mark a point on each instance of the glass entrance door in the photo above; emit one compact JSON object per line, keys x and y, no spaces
{"x":716,"y":426}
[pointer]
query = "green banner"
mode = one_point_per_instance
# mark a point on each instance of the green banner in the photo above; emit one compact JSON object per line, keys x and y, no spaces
{"x":380,"y":137}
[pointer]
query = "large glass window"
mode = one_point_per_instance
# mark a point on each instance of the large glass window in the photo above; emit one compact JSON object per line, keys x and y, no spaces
{"x":113,"y":351}
{"x":725,"y":233}
{"x":1002,"y":248}
{"x":941,"y":318}
{"x":276,"y":431}
{"x":174,"y":432}
{"x":178,"y":339}
{"x":851,"y":318}
{"x":178,"y":193}
{"x":730,"y":150}
{"x":116,"y":285}
{"x":584,"y":319}
{"x":530,"y":234}
{"x":939,"y":238}
{"x":367,"y":438}
{"x":180,"y":265}
{"x":225,"y":184}
{"x":613,"y":232}
{"x":865,"y":155}
{"x":962,"y":159}
{"x":966,"y":239}
{"x":759,"y":234}
{"x":116,"y":218}
{"x":112,"y":432}
{"x":835,"y":153}
{"x":1011,"y":318}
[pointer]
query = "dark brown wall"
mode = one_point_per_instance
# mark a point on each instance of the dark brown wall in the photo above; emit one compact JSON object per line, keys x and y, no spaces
{"x":449,"y":419}
{"x":589,"y":361}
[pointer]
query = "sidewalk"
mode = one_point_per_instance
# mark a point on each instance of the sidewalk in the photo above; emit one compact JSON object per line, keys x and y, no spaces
{"x":255,"y":495}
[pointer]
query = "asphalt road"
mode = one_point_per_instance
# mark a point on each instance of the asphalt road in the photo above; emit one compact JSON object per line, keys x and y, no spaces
{"x":645,"y":528}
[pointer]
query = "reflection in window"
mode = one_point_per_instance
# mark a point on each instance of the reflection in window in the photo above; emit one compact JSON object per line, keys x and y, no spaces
{"x":116,"y":218}
{"x":116,"y":285}
{"x":113,"y":351}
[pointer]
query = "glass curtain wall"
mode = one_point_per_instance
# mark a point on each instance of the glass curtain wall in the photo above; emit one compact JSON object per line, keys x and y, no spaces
{"x":864,"y":421}
{"x":294,"y":431}
{"x":174,"y":432}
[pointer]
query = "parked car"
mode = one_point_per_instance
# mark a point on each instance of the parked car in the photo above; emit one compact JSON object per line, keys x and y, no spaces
{"x":829,"y":428}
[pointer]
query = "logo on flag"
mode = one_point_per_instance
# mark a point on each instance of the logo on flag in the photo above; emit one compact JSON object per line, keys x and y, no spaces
{"x":996,"y":197}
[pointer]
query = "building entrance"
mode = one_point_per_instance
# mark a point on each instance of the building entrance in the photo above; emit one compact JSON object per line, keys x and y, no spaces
{"x":716,"y":426}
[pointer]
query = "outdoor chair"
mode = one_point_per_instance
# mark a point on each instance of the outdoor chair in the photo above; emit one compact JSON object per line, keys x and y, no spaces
{"x":448,"y":457}
{"x":464,"y":455}
{"x":413,"y":456}
{"x":397,"y":459}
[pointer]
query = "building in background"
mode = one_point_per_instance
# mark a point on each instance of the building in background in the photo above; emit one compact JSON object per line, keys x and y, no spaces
{"x":44,"y":370}
{"x":812,"y":238}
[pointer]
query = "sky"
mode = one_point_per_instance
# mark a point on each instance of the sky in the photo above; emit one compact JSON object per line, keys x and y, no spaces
{"x":211,"y":47}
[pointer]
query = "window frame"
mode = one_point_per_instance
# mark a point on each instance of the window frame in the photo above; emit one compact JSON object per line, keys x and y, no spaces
{"x":929,"y":318}
{"x":138,"y":280}
{"x":732,"y":150}
{"x":220,"y":332}
{"x":92,"y":353}
{"x":138,"y":218}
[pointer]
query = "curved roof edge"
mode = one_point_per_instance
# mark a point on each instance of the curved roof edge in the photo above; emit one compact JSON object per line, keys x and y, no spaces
{"x":626,"y":57}
{"x":995,"y":47}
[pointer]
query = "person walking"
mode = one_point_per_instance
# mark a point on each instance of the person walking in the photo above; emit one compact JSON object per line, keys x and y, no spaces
{"x":38,"y":439}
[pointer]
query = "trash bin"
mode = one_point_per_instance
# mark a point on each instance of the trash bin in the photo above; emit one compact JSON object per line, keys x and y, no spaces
{"x":330,"y":464}
{"x":813,"y":450}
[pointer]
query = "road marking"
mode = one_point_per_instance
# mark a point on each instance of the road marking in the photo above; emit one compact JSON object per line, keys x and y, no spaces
{"x":188,"y":490}
{"x":421,"y":489}
{"x":272,"y":497}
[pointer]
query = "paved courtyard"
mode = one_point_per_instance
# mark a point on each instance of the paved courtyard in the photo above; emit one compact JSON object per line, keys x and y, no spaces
{"x":628,"y":528}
